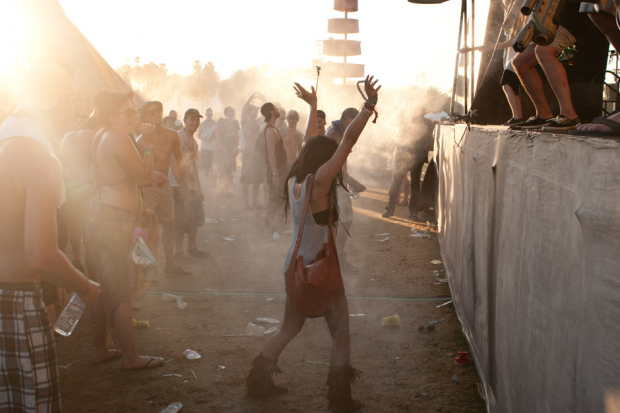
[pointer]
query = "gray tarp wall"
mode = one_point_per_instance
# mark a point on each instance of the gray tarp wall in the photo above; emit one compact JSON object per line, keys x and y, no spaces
{"x":530,"y":238}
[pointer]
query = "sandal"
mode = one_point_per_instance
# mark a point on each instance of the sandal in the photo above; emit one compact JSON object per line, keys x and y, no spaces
{"x":148,"y":364}
{"x":613,"y":125}
{"x":117,"y":355}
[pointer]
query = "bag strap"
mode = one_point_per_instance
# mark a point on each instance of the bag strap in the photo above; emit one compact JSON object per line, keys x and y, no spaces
{"x":309,"y":183}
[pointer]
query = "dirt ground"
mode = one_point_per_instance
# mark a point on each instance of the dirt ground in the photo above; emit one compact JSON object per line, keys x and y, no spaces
{"x":403,"y":370}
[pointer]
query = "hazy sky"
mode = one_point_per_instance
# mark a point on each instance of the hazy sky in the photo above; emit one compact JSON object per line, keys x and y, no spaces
{"x":399,"y":39}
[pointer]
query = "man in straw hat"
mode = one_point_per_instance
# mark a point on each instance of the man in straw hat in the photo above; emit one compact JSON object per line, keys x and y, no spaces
{"x":30,"y":193}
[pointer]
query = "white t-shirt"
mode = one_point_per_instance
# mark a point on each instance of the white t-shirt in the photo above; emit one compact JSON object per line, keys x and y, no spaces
{"x":204,"y":132}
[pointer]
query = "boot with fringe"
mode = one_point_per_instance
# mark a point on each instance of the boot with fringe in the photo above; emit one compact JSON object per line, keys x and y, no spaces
{"x":339,"y":381}
{"x":260,"y":381}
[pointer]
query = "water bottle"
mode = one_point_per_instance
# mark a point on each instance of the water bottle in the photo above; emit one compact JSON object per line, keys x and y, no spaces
{"x":173,"y":408}
{"x":354,"y":194}
{"x":70,"y":316}
{"x":254,"y":330}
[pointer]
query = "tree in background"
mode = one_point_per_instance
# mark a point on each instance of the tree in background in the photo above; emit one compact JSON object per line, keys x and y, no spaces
{"x":202,"y":84}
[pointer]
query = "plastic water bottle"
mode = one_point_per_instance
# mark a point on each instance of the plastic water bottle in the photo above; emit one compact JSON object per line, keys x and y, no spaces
{"x":254,"y":330}
{"x":70,"y":316}
{"x":354,"y":194}
{"x":173,"y":408}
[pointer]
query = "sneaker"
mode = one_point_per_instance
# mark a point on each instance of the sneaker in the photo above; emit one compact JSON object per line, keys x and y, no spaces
{"x":513,"y":121}
{"x":387,"y":214}
{"x":562,"y":123}
{"x":197,"y":253}
{"x":532,"y":123}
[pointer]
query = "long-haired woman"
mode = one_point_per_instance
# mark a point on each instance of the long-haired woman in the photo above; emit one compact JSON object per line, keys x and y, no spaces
{"x":114,"y":222}
{"x":322,"y":158}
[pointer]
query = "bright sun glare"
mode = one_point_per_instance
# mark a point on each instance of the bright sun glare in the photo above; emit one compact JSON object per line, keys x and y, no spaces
{"x":13,"y":29}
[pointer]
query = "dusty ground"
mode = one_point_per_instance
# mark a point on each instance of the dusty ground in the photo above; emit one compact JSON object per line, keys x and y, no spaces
{"x":404,"y":370}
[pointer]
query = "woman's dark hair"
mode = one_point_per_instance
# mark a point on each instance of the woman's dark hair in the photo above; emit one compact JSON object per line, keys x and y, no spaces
{"x":107,"y":103}
{"x":318,"y":150}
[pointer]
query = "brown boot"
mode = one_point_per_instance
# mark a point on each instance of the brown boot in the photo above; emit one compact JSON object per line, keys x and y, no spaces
{"x":339,"y":394}
{"x":259,"y":381}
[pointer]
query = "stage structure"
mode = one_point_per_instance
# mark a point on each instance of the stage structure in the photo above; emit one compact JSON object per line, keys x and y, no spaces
{"x":342,"y":48}
{"x":529,"y":229}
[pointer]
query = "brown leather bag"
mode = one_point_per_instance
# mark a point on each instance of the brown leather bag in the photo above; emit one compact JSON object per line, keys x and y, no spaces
{"x":315,"y":289}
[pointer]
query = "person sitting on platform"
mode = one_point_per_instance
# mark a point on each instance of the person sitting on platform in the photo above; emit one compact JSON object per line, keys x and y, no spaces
{"x":525,"y":64}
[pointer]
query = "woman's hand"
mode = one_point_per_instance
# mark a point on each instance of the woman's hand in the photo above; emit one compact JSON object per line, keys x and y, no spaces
{"x":308,"y":97}
{"x":371,"y":91}
{"x":91,"y":296}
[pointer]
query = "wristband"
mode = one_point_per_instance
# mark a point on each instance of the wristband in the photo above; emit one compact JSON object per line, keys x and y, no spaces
{"x":148,"y":150}
{"x":275,"y":174}
{"x":368,"y":109}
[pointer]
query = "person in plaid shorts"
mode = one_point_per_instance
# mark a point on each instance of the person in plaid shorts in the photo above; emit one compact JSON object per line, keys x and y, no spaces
{"x":30,"y":193}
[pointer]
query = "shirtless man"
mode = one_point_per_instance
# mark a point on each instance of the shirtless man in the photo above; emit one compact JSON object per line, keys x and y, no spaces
{"x":276,"y":162}
{"x":30,"y":194}
{"x":336,"y":132}
{"x":293,"y":139}
{"x":321,"y":121}
{"x":158,"y":198}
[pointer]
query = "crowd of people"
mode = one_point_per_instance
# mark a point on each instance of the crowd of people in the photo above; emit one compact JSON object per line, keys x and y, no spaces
{"x":107,"y":175}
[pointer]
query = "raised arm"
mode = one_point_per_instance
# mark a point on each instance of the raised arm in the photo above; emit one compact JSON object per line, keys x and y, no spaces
{"x":329,"y":170}
{"x":246,"y":107}
{"x":310,"y":98}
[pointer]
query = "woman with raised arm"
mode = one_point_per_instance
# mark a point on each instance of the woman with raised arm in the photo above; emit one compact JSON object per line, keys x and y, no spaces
{"x":319,"y":164}
{"x":114,"y":222}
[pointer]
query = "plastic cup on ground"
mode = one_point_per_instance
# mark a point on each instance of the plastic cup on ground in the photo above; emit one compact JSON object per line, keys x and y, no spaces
{"x":391,"y":321}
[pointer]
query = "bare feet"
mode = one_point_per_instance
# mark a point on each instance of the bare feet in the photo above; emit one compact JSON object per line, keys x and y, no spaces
{"x":141,"y":362}
{"x":103,"y":355}
{"x":404,"y":203}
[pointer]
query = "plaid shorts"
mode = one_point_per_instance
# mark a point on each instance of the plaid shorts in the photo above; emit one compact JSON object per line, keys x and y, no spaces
{"x":29,"y":379}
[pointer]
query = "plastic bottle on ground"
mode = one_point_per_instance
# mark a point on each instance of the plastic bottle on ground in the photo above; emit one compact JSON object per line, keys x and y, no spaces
{"x":70,"y":316}
{"x":168,"y":297}
{"x":173,"y":408}
{"x":191,"y":354}
{"x":254,"y":330}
